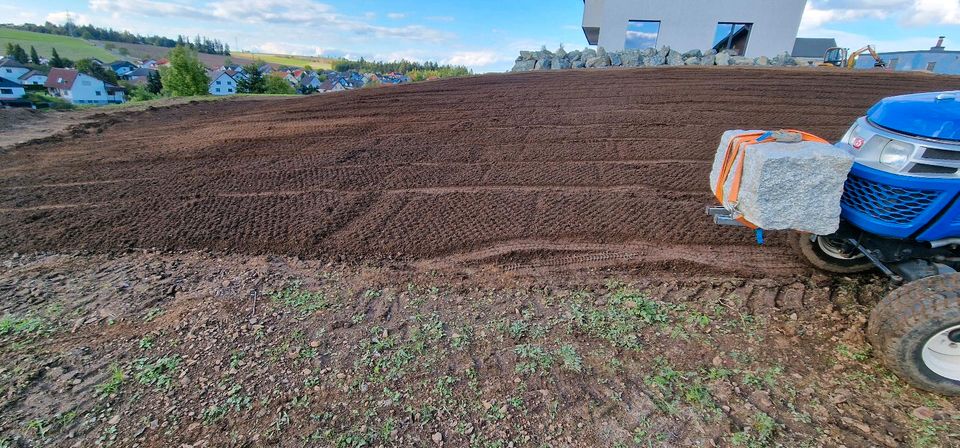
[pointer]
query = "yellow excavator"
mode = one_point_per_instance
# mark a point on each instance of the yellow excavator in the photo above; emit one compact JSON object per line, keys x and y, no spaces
{"x":837,"y":57}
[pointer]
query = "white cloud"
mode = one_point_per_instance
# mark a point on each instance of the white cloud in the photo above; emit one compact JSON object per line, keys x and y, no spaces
{"x":930,"y":12}
{"x":476,"y":59}
{"x":276,"y":12}
{"x":61,"y":17}
{"x":641,"y":35}
{"x":819,"y":13}
{"x":396,"y":15}
{"x":149,"y":8}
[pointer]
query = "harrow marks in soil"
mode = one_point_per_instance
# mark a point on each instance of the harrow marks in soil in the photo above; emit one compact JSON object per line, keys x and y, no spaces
{"x":535,"y":171}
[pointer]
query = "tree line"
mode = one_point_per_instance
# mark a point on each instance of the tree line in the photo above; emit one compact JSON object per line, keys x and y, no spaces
{"x":401,"y":66}
{"x":17,"y":53}
{"x":90,"y":32}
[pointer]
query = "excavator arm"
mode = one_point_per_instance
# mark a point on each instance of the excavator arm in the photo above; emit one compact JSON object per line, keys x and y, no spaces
{"x":878,"y":62}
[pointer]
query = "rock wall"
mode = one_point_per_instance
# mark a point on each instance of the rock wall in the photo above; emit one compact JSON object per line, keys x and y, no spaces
{"x":651,"y":57}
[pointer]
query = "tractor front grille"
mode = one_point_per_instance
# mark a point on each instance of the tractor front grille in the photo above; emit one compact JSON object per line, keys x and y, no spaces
{"x":886,"y":203}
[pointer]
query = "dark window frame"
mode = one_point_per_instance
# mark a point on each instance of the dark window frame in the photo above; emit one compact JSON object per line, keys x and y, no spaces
{"x":729,"y":44}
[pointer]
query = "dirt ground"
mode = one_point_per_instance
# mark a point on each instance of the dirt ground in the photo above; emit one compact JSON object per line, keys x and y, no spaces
{"x":504,"y":260}
{"x":22,"y":125}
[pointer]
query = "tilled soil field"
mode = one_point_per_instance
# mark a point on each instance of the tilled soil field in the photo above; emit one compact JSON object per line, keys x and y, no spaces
{"x":555,"y":169}
{"x":497,"y":261}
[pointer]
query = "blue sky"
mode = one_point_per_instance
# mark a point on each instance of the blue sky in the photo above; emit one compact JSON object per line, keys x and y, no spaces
{"x":483,"y":35}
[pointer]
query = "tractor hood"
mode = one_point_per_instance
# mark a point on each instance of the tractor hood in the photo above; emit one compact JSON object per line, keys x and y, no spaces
{"x":933,"y":115}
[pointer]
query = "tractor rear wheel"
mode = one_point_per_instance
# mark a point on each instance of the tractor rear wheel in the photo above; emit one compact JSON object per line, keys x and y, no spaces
{"x":830,"y":254}
{"x":915,"y":331}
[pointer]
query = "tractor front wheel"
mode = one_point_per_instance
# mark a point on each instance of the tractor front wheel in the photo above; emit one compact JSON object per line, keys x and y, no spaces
{"x":915,"y":331}
{"x":830,"y":254}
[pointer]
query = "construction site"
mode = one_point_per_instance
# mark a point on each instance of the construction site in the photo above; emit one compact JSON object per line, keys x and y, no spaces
{"x":499,"y":260}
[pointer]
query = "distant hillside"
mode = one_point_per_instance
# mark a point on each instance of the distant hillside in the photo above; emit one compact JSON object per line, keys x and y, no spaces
{"x":141,"y":51}
{"x":74,"y":48}
{"x":68,"y":47}
{"x":285,"y":59}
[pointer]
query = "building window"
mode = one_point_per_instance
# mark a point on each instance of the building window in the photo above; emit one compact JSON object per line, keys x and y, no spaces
{"x":9,"y":71}
{"x":218,"y":89}
{"x":218,"y":82}
{"x":97,"y":92}
{"x":641,"y":34}
{"x":732,"y":37}
{"x":930,"y":66}
{"x":6,"y":91}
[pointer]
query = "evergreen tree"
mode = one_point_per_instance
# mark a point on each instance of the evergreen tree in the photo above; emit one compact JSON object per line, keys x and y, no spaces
{"x":154,"y":84}
{"x":253,"y":81}
{"x":10,"y":50}
{"x":55,"y":60}
{"x":186,"y":75}
{"x":34,"y":57}
{"x":20,"y":54}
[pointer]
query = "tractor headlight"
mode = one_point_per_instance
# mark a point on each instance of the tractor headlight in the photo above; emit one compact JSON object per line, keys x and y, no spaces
{"x":851,"y":134}
{"x":896,"y":154}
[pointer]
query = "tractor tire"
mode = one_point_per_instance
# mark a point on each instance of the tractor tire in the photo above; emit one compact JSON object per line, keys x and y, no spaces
{"x":915,"y":331}
{"x":833,"y":261}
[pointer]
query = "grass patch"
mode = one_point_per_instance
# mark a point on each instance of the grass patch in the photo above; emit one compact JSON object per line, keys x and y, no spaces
{"x":626,"y":313}
{"x":158,"y":373}
{"x":532,"y":359}
{"x":21,"y":326}
{"x":571,"y":359}
{"x":67,"y":47}
{"x":759,"y":434}
{"x":113,"y":385}
{"x":299,"y":299}
{"x":676,"y":386}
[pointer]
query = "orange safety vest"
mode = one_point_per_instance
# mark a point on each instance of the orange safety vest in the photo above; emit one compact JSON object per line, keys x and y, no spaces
{"x":733,"y":163}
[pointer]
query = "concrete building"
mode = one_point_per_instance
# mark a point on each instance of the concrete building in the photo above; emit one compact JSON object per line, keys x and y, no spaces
{"x":935,"y":60}
{"x":746,"y":27}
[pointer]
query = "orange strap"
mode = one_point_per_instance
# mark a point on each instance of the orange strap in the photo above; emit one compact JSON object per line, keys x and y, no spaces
{"x":733,"y":162}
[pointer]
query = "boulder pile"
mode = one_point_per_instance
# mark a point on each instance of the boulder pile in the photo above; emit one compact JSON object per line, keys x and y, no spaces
{"x":651,"y":57}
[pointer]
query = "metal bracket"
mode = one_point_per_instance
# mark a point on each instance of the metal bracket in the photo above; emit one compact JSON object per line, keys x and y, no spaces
{"x":876,"y":261}
{"x":723,"y":217}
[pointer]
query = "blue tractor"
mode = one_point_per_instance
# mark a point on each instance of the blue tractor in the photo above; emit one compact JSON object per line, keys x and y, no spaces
{"x":901,"y":215}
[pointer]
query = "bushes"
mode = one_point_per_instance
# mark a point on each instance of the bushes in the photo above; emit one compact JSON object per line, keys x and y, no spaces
{"x":52,"y":101}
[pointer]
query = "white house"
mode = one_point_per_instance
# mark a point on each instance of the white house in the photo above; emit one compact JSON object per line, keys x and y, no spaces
{"x":10,"y":90}
{"x":11,"y":69}
{"x":81,"y":88}
{"x":746,"y":27}
{"x":32,"y":78}
{"x":223,"y":83}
